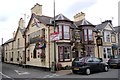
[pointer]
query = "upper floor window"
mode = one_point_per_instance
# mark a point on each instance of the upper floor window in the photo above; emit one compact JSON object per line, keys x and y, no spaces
{"x":12,"y":45}
{"x":18,"y":42}
{"x":64,"y":32}
{"x":85,"y":35}
{"x":113,"y":38}
{"x":88,"y":35}
{"x":107,"y":36}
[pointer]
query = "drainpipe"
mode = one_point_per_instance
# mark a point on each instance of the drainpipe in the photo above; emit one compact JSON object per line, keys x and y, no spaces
{"x":49,"y":44}
{"x":25,"y":49}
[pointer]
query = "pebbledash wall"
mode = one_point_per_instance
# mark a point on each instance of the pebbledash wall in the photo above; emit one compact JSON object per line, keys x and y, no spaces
{"x":32,"y":45}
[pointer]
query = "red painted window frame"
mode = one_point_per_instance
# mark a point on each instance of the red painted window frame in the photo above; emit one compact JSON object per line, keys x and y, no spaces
{"x":63,"y":54}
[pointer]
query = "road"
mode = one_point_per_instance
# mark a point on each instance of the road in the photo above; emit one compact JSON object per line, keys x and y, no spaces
{"x":14,"y":72}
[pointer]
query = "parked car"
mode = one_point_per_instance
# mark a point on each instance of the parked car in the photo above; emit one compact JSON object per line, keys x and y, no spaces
{"x":88,"y":64}
{"x":114,"y":62}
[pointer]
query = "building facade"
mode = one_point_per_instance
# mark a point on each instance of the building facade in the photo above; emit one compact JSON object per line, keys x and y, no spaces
{"x":109,"y":37}
{"x":34,"y":46}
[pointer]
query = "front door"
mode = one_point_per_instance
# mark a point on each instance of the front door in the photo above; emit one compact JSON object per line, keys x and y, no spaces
{"x":107,"y":52}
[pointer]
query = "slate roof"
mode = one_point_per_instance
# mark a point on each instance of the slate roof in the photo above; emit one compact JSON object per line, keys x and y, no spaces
{"x":44,"y":19}
{"x":101,"y":26}
{"x":61,"y":17}
{"x":83,"y":22}
{"x":10,"y":40}
{"x":117,"y":29}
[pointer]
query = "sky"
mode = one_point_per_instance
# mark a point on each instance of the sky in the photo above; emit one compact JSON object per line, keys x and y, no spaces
{"x":96,"y":11}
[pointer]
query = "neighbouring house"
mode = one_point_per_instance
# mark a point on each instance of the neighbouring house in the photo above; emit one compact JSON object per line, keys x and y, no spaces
{"x":109,"y":37}
{"x":14,"y":47}
{"x":117,"y":29}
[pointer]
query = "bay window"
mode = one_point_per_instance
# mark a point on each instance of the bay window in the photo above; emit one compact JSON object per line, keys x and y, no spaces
{"x":64,"y":32}
{"x":64,"y":53}
{"x":88,"y":35}
{"x":107,"y":36}
{"x":85,"y":34}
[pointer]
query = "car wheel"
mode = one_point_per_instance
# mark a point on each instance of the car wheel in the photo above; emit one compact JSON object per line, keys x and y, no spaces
{"x":105,"y":68}
{"x":74,"y":72}
{"x":88,"y":71}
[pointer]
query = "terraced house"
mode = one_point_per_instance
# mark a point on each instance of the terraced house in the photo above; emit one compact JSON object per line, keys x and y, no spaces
{"x":110,"y":39}
{"x":14,"y":47}
{"x":117,"y":29}
{"x":33,"y":46}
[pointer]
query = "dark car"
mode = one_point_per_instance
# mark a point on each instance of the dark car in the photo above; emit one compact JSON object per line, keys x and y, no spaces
{"x":114,"y":62}
{"x":88,"y":64}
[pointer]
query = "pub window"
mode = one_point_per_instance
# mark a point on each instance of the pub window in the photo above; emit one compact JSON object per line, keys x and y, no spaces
{"x":64,"y":53}
{"x":34,"y":53}
{"x":12,"y":45}
{"x":64,"y":32}
{"x":85,"y":35}
{"x":18,"y":42}
{"x":90,"y":35}
{"x":18,"y":54}
{"x":12,"y":54}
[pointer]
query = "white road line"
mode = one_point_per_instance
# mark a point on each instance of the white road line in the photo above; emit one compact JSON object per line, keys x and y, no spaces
{"x":6,"y":76}
{"x":50,"y":76}
{"x":21,"y":72}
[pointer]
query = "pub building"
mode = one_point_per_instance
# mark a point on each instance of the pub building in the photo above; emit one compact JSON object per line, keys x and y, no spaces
{"x":76,"y":38}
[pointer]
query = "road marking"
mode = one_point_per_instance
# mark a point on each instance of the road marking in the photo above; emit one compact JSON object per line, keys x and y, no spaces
{"x":21,"y":72}
{"x":50,"y":76}
{"x":6,"y":75}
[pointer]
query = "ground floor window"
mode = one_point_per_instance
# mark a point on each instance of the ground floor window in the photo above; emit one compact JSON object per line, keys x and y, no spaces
{"x":64,"y":53}
{"x":107,"y":52}
{"x":119,"y":51}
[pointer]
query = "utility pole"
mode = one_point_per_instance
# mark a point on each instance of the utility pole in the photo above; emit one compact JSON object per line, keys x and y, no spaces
{"x":54,"y":41}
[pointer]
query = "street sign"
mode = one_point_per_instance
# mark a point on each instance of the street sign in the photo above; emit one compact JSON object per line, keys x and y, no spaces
{"x":54,"y":36}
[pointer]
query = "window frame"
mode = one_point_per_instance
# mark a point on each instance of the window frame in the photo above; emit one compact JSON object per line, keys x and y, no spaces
{"x":63,"y":54}
{"x":63,"y":33}
{"x":86,"y":35}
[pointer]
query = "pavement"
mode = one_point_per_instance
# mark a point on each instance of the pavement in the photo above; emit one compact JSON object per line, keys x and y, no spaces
{"x":64,"y":72}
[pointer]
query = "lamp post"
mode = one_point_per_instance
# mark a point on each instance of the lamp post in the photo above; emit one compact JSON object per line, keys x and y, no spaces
{"x":54,"y":64}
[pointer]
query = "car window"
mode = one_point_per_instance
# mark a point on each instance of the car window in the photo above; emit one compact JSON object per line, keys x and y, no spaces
{"x":96,"y":60}
{"x":89,"y":60}
{"x":78,"y":59}
{"x":117,"y":57}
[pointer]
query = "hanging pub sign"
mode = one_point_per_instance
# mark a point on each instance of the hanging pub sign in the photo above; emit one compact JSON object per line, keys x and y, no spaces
{"x":99,"y":41}
{"x":34,"y":37}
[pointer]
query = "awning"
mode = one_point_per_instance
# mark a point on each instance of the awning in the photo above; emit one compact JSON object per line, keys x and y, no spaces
{"x":114,"y":46}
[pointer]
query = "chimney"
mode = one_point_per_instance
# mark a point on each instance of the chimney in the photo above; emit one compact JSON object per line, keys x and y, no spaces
{"x":13,"y":34}
{"x":37,"y":9}
{"x":79,"y":16}
{"x":109,"y":21}
{"x":21,"y":23}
